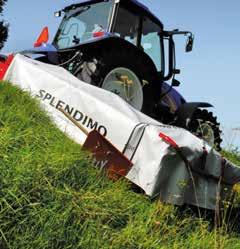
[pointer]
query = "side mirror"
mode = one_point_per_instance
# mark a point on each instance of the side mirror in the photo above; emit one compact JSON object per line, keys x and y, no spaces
{"x":190,"y":42}
{"x":175,"y":83}
{"x":43,"y":38}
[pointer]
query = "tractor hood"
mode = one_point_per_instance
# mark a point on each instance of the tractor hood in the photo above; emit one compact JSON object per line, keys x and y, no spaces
{"x":43,"y":49}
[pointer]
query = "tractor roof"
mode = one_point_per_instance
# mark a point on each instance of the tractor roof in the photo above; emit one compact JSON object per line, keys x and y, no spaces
{"x":142,"y":8}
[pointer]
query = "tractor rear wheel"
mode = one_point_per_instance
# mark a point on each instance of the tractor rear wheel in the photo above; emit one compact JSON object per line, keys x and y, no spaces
{"x":205,"y":126}
{"x":124,"y":73}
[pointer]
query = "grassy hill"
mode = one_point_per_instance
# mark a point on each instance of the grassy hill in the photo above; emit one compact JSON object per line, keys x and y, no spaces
{"x":51,"y":196}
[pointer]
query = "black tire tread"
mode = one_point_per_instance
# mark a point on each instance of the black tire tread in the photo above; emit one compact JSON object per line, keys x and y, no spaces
{"x":203,"y":115}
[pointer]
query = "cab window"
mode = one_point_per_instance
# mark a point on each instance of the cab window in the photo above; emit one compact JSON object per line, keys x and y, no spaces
{"x":127,"y":25}
{"x":151,"y":43}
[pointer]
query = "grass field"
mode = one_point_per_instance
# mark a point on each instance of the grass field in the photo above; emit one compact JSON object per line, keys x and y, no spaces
{"x":51,"y":196}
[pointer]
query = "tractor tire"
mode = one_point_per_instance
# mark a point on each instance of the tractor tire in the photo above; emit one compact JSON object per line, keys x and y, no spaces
{"x":205,"y":126}
{"x":105,"y":68}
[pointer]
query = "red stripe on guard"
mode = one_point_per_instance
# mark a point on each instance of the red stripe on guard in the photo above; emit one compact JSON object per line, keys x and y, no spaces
{"x":168,"y":140}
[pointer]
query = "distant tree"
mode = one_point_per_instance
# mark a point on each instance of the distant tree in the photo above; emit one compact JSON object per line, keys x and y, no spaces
{"x":3,"y":26}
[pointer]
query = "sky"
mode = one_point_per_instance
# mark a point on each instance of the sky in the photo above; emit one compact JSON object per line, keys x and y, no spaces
{"x":209,"y":73}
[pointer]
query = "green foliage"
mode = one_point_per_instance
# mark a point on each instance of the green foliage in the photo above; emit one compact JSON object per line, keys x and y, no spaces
{"x":52,"y":197}
{"x":232,"y":156}
{"x":3,"y":26}
{"x":2,"y":3}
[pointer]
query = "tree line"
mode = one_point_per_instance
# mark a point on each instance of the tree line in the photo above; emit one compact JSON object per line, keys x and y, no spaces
{"x":3,"y":26}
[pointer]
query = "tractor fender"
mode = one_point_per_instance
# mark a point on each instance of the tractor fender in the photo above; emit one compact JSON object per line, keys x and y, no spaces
{"x":185,"y":112}
{"x":96,"y":45}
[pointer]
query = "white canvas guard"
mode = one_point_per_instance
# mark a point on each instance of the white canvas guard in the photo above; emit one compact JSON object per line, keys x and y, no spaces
{"x":158,"y":169}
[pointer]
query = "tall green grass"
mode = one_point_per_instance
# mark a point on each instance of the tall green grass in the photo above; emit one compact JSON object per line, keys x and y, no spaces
{"x":52,"y":197}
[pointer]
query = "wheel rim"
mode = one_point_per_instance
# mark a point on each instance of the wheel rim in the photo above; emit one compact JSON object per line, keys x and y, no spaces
{"x":205,"y":130}
{"x":124,"y":83}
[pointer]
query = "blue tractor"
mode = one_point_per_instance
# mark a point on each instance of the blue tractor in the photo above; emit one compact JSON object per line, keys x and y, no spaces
{"x":120,"y":46}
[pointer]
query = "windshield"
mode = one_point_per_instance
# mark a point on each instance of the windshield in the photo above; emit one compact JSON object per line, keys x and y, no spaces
{"x":82,"y":24}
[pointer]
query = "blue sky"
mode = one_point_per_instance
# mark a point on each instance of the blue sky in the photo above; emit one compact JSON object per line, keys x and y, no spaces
{"x":209,"y":73}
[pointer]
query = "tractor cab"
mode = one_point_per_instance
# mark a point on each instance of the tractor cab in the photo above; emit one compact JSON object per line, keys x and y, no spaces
{"x":88,"y":21}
